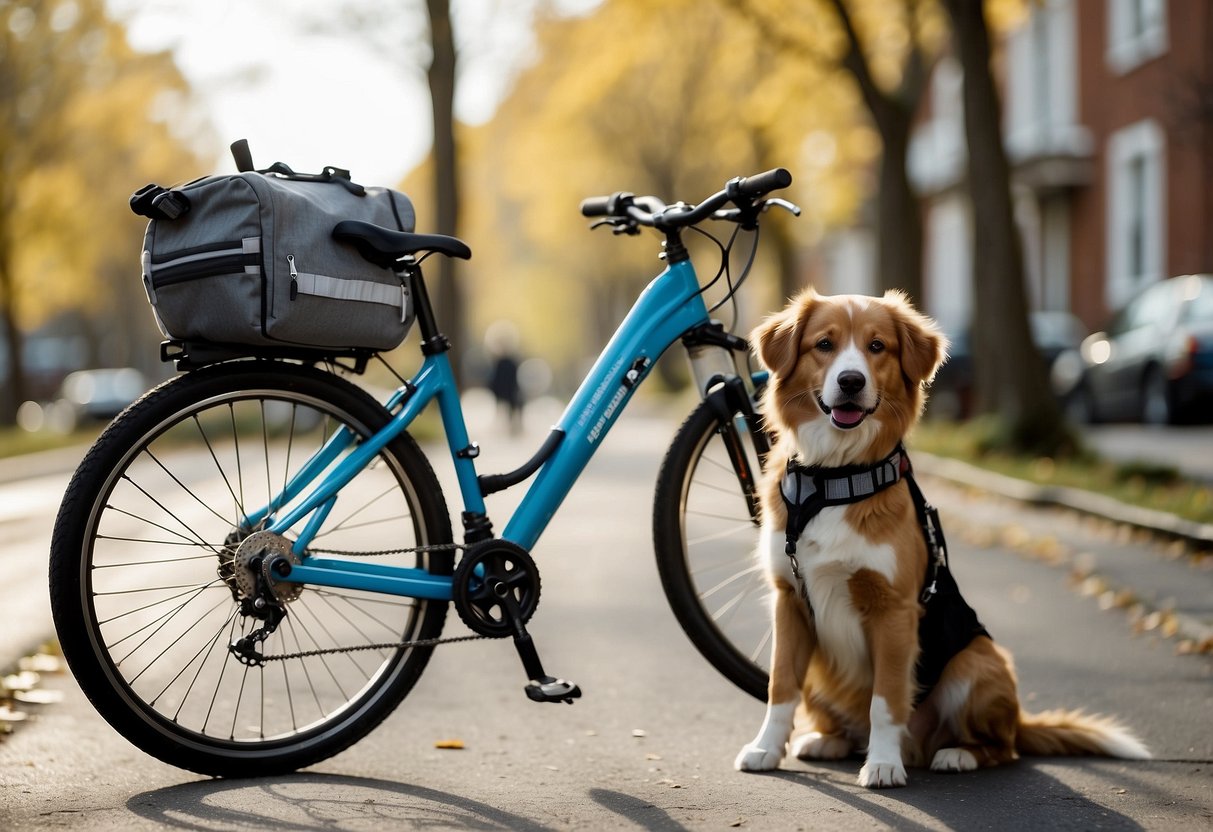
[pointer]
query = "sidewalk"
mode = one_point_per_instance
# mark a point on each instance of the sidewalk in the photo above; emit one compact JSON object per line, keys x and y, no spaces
{"x":1122,"y":554}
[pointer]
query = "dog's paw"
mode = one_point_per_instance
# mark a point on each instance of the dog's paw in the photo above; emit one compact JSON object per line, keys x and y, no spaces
{"x":818,"y":746}
{"x":754,"y":757}
{"x":875,"y":775}
{"x":953,"y":759}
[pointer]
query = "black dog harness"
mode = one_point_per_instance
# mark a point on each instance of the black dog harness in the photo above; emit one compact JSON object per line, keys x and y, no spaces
{"x":947,"y":624}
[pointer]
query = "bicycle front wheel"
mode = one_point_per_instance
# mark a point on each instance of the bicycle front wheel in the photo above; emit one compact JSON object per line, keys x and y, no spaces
{"x":705,"y":531}
{"x":147,"y":589}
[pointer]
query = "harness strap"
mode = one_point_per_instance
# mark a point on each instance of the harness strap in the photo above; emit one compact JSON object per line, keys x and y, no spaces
{"x":806,"y":489}
{"x":948,"y":624}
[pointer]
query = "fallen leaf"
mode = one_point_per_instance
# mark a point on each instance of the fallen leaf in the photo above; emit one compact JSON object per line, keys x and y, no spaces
{"x":41,"y":663}
{"x":24,"y":680}
{"x":39,"y":697}
{"x":453,"y":745}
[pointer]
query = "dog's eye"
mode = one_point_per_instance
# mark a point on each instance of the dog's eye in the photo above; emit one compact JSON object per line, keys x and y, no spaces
{"x":876,"y":346}
{"x":825,"y":345}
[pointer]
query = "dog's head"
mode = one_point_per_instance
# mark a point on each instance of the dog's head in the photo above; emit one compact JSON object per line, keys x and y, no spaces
{"x":848,"y":373}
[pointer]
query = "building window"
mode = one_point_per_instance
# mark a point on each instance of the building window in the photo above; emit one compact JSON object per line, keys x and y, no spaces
{"x":1137,"y":32}
{"x":1136,"y":221}
{"x":1042,"y":84}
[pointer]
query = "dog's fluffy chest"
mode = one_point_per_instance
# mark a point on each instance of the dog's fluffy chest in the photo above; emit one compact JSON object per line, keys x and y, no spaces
{"x":830,"y":544}
{"x":828,"y":553}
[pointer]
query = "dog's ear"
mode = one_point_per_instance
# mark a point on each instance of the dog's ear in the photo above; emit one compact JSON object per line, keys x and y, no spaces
{"x":777,"y":339}
{"x":923,"y":347}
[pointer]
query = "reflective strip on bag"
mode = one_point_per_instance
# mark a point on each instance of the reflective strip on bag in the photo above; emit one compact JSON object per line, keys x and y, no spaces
{"x":361,"y":291}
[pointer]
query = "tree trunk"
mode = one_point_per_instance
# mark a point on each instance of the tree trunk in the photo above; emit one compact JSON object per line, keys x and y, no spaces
{"x":14,"y":386}
{"x":441,"y":76}
{"x":898,"y":214}
{"x":1010,"y":376}
{"x":13,"y":390}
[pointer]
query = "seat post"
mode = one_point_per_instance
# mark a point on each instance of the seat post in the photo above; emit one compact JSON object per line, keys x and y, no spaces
{"x":432,"y":339}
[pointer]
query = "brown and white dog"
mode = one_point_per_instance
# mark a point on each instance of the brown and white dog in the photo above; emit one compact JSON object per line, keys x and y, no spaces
{"x":847,"y":384}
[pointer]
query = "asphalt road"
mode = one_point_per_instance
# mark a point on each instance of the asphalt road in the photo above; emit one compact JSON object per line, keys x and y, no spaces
{"x":652,"y":742}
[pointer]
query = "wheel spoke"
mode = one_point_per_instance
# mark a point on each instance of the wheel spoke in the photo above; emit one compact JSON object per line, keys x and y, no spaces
{"x":706,"y":538}
{"x":147,"y":572}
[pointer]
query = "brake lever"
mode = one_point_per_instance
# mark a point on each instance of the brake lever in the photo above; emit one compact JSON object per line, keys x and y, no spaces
{"x":737,"y":215}
{"x":790,"y":207}
{"x":619,"y":225}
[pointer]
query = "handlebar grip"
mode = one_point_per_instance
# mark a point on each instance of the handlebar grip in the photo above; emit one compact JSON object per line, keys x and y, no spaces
{"x":596,"y":206}
{"x":762,"y":183}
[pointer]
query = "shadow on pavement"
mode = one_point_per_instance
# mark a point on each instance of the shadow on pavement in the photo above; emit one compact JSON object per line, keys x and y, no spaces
{"x":318,"y":801}
{"x":637,"y":810}
{"x":1018,"y":796}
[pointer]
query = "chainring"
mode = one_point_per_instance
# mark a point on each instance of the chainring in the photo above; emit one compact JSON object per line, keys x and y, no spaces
{"x":491,"y":576}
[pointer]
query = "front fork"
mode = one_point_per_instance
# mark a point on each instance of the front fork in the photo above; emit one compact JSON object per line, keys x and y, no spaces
{"x":722,"y":379}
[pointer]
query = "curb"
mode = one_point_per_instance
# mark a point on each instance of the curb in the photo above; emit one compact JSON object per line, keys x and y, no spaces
{"x":1199,"y":535}
{"x":55,"y":461}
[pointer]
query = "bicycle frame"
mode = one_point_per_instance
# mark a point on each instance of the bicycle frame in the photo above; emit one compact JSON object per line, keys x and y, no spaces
{"x":669,"y":306}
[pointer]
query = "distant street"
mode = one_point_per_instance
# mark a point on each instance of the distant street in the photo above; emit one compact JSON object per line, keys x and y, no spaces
{"x":651,"y":744}
{"x":1187,"y":448}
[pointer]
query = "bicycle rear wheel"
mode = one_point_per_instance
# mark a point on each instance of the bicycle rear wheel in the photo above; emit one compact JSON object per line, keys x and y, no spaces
{"x":147,"y":594}
{"x":705,"y":533}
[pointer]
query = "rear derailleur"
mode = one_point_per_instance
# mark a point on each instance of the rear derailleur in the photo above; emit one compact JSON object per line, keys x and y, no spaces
{"x":257,"y":570}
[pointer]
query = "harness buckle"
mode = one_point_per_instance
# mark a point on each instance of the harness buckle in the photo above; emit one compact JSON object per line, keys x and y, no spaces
{"x":928,"y":592}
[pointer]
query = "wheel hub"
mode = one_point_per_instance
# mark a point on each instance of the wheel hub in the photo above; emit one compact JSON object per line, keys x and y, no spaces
{"x":253,"y":567}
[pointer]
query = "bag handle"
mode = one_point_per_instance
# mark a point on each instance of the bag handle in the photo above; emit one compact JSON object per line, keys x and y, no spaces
{"x":244,"y":164}
{"x":329,"y":174}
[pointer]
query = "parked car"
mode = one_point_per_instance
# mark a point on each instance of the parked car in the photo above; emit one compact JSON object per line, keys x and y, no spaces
{"x":1153,"y":362}
{"x":84,"y":396}
{"x":101,"y":394}
{"x":1054,"y":333}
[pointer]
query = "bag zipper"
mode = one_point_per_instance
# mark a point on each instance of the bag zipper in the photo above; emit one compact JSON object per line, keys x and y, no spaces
{"x":290,"y":261}
{"x":233,"y":263}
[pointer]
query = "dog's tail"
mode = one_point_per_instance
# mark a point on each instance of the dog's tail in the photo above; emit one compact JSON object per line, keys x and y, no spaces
{"x":1073,"y":733}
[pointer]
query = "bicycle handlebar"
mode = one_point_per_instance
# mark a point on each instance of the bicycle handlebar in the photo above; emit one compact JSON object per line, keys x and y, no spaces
{"x":760,"y":184}
{"x":650,"y":211}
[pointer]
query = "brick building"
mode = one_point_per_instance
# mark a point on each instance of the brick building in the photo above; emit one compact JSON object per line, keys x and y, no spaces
{"x":1108,"y":123}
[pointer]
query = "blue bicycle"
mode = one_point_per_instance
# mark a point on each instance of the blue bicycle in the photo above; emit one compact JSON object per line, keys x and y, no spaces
{"x":254,"y":562}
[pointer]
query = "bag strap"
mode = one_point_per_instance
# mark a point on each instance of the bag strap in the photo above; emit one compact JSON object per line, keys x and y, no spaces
{"x":159,"y":203}
{"x":329,"y":174}
{"x":244,"y":163}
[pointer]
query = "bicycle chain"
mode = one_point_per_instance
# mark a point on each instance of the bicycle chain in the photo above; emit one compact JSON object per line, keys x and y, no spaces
{"x":436,"y":547}
{"x":425,"y":642}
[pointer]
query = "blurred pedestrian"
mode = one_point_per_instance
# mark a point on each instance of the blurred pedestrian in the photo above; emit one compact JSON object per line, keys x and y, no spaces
{"x":501,"y":343}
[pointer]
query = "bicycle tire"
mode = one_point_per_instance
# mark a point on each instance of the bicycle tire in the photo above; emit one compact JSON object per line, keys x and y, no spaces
{"x":144,"y":596}
{"x":704,"y":537}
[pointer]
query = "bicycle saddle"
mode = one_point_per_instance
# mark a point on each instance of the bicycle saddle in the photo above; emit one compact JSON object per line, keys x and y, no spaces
{"x":384,"y":246}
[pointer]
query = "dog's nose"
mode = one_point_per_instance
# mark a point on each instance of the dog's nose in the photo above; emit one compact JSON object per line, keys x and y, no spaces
{"x":851,"y":382}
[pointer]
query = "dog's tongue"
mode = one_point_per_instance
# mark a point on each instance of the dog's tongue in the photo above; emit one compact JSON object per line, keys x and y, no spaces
{"x":846,"y":415}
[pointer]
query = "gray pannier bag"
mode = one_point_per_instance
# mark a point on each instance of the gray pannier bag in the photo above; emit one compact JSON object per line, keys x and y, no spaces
{"x":249,"y":259}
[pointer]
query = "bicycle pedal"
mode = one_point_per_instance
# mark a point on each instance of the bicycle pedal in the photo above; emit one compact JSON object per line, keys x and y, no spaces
{"x":549,"y":689}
